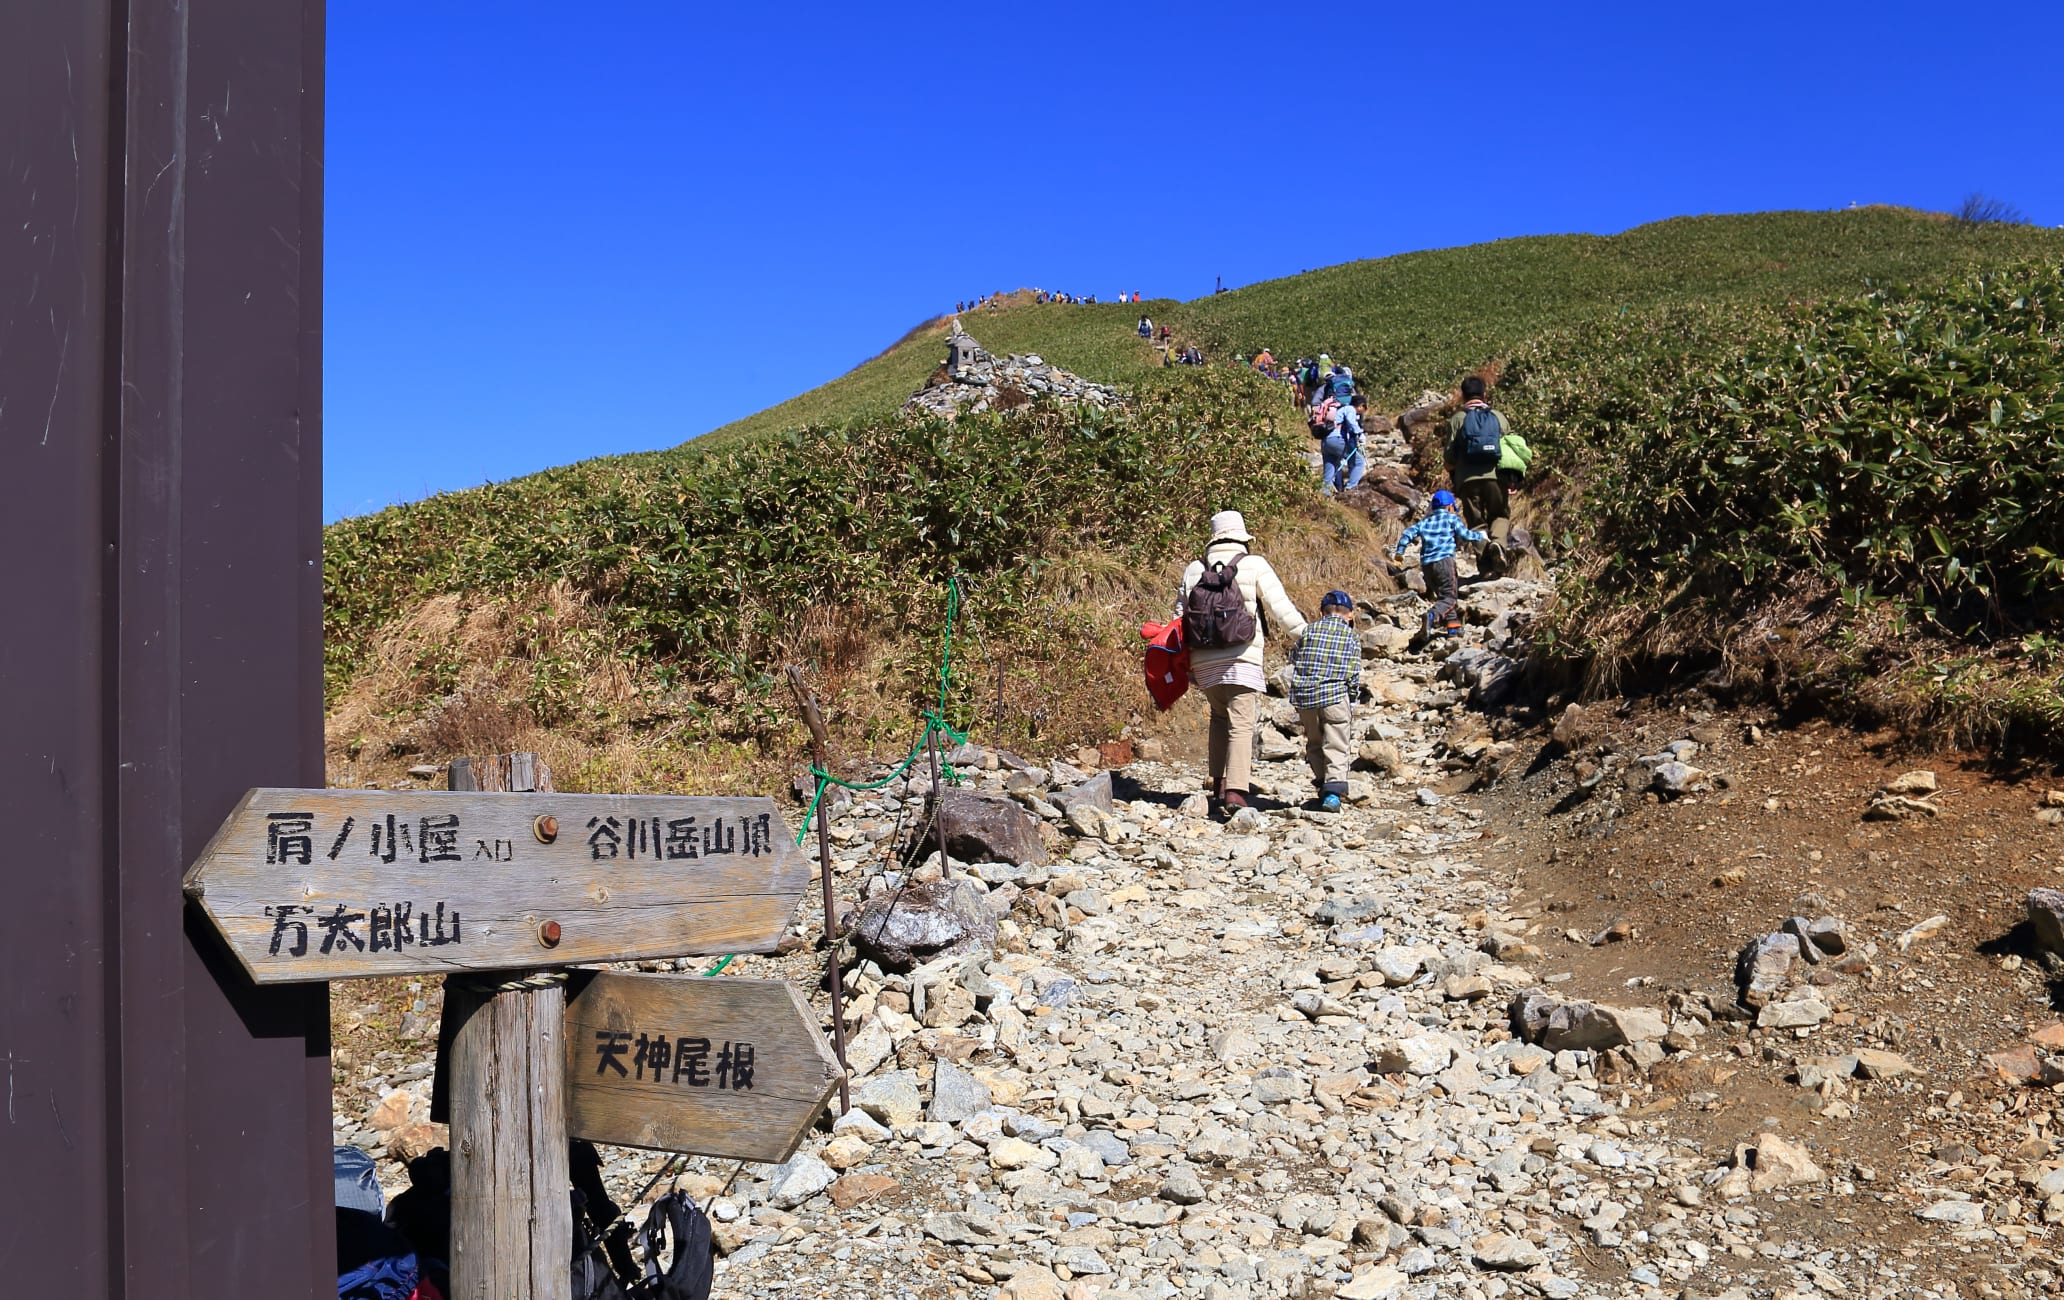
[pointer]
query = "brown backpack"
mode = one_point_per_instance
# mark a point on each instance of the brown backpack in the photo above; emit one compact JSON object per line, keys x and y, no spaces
{"x":1215,"y":614}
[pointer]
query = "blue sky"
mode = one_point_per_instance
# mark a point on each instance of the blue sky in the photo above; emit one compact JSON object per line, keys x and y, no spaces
{"x":559,"y":231}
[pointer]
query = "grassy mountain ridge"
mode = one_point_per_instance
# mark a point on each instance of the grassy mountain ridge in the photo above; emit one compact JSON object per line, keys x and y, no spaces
{"x":1424,"y":319}
{"x":633,"y":610}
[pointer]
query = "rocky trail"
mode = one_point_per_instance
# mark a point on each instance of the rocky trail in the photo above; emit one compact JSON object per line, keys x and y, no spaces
{"x":1651,"y":1006}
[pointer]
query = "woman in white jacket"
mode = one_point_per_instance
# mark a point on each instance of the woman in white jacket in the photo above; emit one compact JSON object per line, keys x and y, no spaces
{"x":1231,"y":676}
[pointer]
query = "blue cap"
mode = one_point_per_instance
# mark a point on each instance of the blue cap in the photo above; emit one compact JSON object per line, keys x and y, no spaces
{"x":1337,"y":597}
{"x":1443,"y":499}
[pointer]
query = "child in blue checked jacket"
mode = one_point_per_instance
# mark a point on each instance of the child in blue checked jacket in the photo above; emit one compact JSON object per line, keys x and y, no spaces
{"x":1437,"y":535}
{"x":1325,"y":673}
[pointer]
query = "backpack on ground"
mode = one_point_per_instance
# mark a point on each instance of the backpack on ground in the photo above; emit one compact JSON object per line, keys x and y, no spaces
{"x":1215,"y":614}
{"x":692,"y":1271}
{"x":1480,"y":434}
{"x":1321,"y":416}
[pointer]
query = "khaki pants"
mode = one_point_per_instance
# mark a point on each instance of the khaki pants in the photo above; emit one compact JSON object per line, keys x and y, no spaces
{"x":1233,"y":710}
{"x":1485,"y":507}
{"x":1326,"y":745}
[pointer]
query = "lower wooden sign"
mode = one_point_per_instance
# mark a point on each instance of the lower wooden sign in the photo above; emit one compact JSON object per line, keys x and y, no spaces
{"x":732,"y":1068}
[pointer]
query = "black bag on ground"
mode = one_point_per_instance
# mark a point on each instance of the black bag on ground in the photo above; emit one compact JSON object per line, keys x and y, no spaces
{"x":1215,"y":614}
{"x":692,"y":1271}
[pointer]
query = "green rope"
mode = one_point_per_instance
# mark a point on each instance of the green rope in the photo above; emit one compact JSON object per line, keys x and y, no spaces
{"x":934,"y":720}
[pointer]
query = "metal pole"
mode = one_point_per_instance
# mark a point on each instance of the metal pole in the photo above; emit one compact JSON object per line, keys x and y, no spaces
{"x":938,"y":799}
{"x":820,"y":742}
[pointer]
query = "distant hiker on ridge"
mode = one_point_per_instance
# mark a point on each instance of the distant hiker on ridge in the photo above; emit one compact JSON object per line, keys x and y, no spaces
{"x":1219,"y":605}
{"x":1342,"y":447}
{"x":1476,"y":446}
{"x":1146,"y":329}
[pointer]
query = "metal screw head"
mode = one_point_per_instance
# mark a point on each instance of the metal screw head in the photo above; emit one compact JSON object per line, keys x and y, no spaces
{"x":548,"y":934}
{"x":546,"y":829}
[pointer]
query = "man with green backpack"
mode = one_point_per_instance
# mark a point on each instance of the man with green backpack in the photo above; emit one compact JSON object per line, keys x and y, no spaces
{"x":1476,"y":448}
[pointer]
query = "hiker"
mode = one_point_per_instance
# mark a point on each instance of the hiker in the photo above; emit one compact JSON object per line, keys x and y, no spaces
{"x":1342,"y":446}
{"x":1309,"y":379}
{"x":1437,"y":535}
{"x":1220,"y":603}
{"x":1476,"y":440}
{"x":1325,"y":675}
{"x":1146,"y":328}
{"x":1341,"y":384}
{"x":1265,"y":361}
{"x":1166,"y":334}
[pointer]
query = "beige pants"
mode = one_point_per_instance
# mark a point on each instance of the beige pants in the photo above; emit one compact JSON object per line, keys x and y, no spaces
{"x":1233,"y":710}
{"x":1326,"y":745}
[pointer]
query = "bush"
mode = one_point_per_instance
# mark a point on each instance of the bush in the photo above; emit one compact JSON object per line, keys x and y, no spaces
{"x":707,"y":565}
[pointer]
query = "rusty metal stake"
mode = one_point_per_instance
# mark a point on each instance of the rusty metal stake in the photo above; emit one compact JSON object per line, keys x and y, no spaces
{"x":938,"y":800}
{"x":820,"y":745}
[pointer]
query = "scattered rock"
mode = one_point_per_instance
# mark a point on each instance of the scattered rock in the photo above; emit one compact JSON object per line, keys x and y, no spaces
{"x":1964,"y":1214}
{"x":990,"y":828}
{"x":1764,"y":967}
{"x":1920,"y":782}
{"x":1505,"y":1253}
{"x":1778,"y":1162}
{"x":797,"y":1181}
{"x":956,"y":1094}
{"x":1898,"y":807}
{"x":925,"y":921}
{"x":1927,"y":929}
{"x":855,"y":1190}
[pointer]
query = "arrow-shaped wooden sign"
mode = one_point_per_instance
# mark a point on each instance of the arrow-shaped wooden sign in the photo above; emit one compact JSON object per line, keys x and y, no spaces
{"x":732,"y":1068}
{"x":338,"y":884}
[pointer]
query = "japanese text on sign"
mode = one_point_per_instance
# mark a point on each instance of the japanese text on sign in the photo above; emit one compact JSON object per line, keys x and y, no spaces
{"x":680,"y":1059}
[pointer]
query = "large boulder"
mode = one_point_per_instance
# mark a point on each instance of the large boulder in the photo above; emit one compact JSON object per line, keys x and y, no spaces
{"x":923,"y":922}
{"x":2046,"y":917}
{"x":987,"y":828}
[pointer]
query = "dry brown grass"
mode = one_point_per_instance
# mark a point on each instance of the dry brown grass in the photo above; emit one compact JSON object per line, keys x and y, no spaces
{"x":458,"y":676}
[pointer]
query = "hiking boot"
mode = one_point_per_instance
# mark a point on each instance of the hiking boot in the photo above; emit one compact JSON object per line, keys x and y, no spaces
{"x":1454,"y":629}
{"x":1331,"y":803}
{"x":1235,"y":800}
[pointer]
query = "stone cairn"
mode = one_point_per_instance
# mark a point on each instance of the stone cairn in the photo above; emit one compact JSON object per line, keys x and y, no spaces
{"x":973,"y":380}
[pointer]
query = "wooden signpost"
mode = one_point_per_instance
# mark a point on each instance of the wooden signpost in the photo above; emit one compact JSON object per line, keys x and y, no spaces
{"x":734,"y":1068}
{"x":342,"y":884}
{"x":502,"y":891}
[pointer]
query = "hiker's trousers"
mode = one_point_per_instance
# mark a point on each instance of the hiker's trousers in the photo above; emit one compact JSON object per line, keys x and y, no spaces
{"x":1233,"y":710}
{"x":1326,"y":745}
{"x":1485,"y":506}
{"x":1440,"y":589}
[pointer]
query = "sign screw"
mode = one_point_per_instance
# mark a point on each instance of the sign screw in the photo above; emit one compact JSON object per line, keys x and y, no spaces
{"x":546,"y":829}
{"x":548,"y":934}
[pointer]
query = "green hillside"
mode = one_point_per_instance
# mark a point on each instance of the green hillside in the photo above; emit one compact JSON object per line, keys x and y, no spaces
{"x":628,"y":615}
{"x":1420,"y":320}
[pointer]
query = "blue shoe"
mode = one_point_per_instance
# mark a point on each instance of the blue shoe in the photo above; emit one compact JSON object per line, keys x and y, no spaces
{"x":1331,"y":803}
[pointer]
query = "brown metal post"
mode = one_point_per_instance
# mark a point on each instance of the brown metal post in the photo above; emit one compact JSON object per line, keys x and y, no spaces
{"x":938,"y":798}
{"x":167,"y":1125}
{"x":820,"y":750}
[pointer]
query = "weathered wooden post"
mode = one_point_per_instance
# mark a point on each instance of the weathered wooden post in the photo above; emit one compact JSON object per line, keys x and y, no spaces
{"x":490,"y":888}
{"x":511,"y":1219}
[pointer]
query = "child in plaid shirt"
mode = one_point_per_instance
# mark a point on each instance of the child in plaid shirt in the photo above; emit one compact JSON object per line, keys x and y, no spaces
{"x":1437,"y":535}
{"x":1326,"y":671}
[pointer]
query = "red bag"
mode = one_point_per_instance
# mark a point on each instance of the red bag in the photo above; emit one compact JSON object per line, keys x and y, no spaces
{"x":1167,"y":665}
